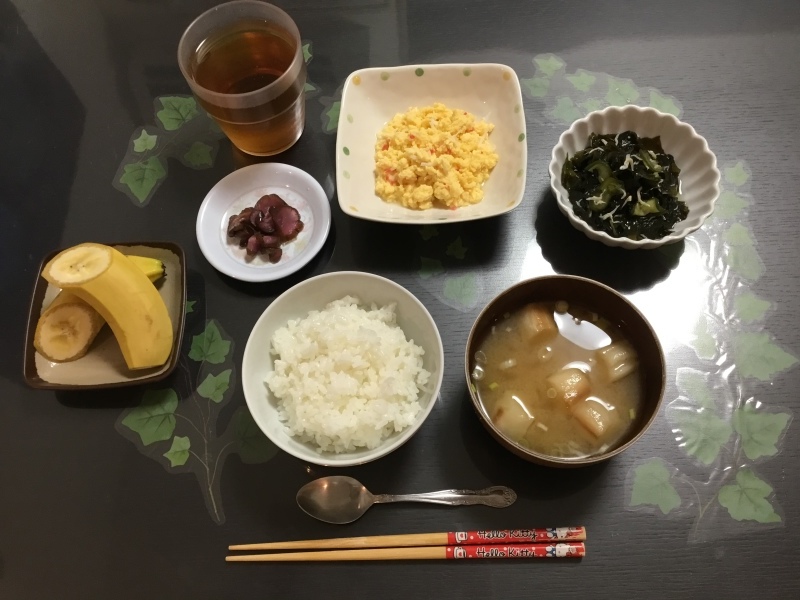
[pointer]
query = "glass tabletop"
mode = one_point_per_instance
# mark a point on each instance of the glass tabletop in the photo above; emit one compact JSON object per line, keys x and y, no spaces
{"x":139,"y":490}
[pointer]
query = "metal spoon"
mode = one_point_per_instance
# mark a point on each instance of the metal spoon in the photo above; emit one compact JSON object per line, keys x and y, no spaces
{"x":338,"y":499}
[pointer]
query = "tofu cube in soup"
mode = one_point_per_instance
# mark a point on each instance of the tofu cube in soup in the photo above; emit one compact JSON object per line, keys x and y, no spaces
{"x":619,"y":358}
{"x":595,"y":417}
{"x":537,"y":322}
{"x":511,"y":416}
{"x":568,"y":385}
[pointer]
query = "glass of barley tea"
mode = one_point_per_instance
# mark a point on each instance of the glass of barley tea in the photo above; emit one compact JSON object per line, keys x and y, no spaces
{"x":244,"y":62}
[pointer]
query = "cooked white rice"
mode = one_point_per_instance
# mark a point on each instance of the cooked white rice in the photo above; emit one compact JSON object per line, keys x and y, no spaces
{"x":346,"y":377}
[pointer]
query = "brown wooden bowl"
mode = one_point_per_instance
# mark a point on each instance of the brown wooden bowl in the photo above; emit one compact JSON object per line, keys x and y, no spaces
{"x":607,"y":303}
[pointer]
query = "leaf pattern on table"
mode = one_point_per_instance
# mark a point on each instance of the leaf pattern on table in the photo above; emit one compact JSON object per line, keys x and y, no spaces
{"x":456,"y":249}
{"x":142,"y":178}
{"x":665,"y":104}
{"x":729,"y":205}
{"x":621,"y":92}
{"x":591,"y":105}
{"x":176,"y":111}
{"x":178,"y":453}
{"x":183,"y":131}
{"x":548,"y":64}
{"x":652,"y":485}
{"x":154,"y":418}
{"x":331,"y":117}
{"x":430,"y":267}
{"x":741,"y":252}
{"x":461,"y":290}
{"x":738,"y":174}
{"x":703,"y":342}
{"x":750,"y":308}
{"x":747,"y":499}
{"x":699,"y":431}
{"x":758,"y":356}
{"x":536,"y":87}
{"x":582,"y":80}
{"x":695,"y":386}
{"x":199,"y":155}
{"x":565,"y":110}
{"x":760,"y":431}
{"x":214,"y":387}
{"x":428,"y":231}
{"x":144,"y":142}
{"x":569,"y":96}
{"x":182,"y":434}
{"x":210,"y":346}
{"x":253,"y":446}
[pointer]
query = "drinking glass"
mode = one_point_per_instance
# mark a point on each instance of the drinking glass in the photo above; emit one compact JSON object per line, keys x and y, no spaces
{"x":244,"y":63}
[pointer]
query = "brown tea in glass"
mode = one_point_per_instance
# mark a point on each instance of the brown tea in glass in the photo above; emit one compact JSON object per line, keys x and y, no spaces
{"x":244,"y":63}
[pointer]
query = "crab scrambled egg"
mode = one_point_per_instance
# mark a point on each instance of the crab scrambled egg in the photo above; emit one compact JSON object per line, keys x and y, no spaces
{"x":433,"y":156}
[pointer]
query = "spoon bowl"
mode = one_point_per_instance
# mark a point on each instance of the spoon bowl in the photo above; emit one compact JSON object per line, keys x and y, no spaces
{"x":339,"y":499}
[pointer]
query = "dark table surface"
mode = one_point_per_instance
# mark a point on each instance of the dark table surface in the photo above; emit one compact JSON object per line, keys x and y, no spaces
{"x":706,"y":503}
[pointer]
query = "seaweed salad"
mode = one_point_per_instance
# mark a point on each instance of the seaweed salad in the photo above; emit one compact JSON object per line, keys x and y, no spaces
{"x":625,"y":185}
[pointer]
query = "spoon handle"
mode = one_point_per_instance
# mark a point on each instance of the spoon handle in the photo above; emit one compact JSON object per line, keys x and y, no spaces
{"x":497,"y":497}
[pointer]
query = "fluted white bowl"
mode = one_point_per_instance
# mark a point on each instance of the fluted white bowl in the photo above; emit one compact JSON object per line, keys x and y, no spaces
{"x":699,"y":177}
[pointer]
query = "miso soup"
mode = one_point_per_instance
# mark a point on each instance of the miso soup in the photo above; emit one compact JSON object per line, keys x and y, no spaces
{"x":559,"y":379}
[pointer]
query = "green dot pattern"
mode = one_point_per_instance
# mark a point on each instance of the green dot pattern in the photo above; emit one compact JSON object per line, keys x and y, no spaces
{"x":384,"y":76}
{"x":346,"y":151}
{"x":521,"y":137}
{"x":419,"y":72}
{"x":467,"y":72}
{"x":346,"y":174}
{"x":349,"y":118}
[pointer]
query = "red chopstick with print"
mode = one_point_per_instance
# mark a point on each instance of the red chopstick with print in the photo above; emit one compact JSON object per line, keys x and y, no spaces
{"x":546,"y":535}
{"x":491,"y":551}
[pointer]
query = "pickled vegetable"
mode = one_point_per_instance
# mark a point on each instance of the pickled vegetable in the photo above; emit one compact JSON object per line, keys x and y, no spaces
{"x":625,"y":186}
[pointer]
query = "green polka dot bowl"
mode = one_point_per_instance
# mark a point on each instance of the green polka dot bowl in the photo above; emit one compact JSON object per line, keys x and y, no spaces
{"x":699,"y":176}
{"x":372,"y":97}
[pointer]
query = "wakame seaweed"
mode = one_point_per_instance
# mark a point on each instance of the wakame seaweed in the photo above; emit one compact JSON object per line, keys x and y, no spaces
{"x":625,"y":185}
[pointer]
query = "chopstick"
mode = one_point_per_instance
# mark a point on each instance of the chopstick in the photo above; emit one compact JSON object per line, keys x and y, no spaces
{"x":452,"y":538}
{"x":555,"y":550}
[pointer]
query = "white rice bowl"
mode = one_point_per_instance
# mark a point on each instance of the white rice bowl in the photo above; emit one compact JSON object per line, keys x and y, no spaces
{"x":346,"y":376}
{"x":372,"y":424}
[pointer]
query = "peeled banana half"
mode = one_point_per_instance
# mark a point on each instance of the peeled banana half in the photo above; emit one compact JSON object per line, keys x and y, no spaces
{"x":100,"y":284}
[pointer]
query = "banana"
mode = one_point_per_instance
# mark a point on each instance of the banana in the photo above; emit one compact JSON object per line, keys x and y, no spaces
{"x":65,"y":334}
{"x":152,"y":267}
{"x":122,"y":294}
{"x":67,"y":329}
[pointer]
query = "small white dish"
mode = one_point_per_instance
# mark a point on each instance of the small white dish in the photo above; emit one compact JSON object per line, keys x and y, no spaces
{"x":243,"y":188}
{"x":699,"y":175}
{"x":372,"y":97}
{"x":313,"y":294}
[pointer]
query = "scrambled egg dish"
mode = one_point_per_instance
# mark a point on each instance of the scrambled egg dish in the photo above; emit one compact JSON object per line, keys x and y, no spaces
{"x":433,"y":156}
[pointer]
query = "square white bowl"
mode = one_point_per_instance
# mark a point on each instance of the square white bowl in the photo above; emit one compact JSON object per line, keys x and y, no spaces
{"x":372,"y":97}
{"x":313,"y":294}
